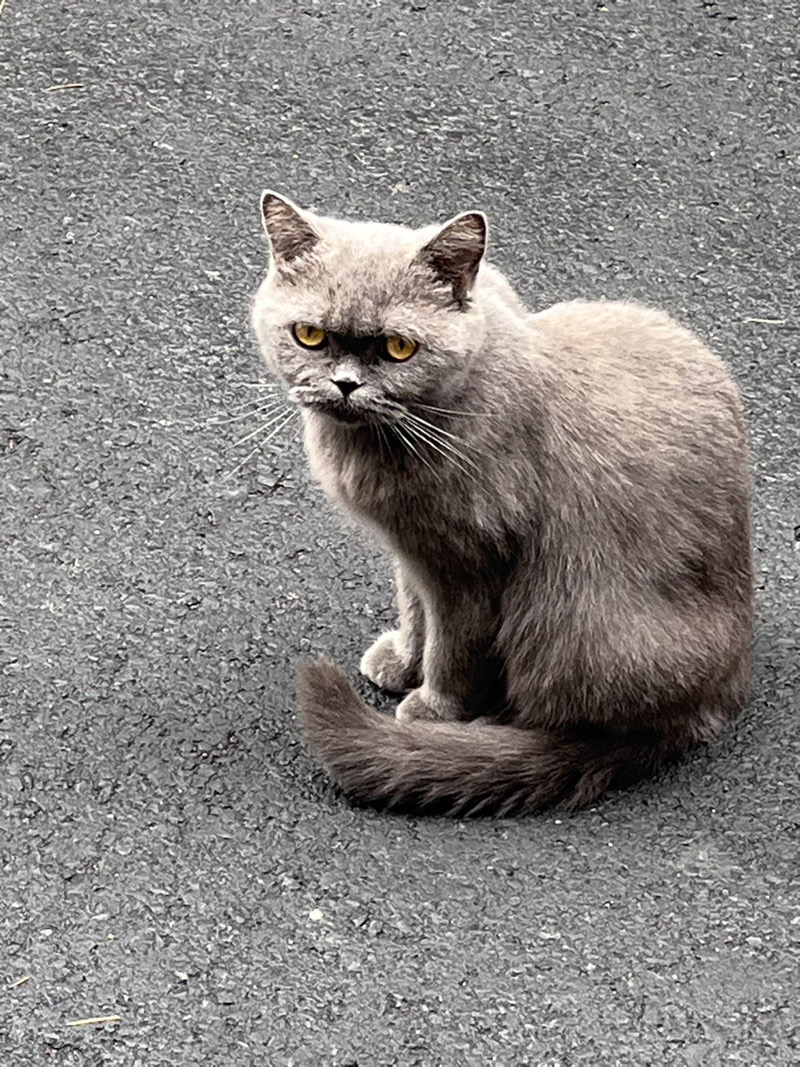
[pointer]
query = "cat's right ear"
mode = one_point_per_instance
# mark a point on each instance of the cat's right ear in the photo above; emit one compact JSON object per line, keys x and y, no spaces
{"x":289,"y":230}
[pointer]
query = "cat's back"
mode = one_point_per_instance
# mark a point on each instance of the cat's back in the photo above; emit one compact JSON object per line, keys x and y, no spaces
{"x":645,"y":445}
{"x":625,"y":359}
{"x":601,"y":338}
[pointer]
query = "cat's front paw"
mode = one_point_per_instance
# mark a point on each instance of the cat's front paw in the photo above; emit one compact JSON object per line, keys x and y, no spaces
{"x":432,"y":707}
{"x":383,"y":664}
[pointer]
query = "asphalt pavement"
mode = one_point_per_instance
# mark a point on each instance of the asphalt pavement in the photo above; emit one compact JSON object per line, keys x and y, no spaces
{"x":170,"y":857}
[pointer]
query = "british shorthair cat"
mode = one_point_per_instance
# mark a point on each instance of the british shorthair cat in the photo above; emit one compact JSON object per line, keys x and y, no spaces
{"x":564,"y":495}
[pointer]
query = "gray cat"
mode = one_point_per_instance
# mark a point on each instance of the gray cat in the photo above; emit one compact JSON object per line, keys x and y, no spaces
{"x":565,"y":495}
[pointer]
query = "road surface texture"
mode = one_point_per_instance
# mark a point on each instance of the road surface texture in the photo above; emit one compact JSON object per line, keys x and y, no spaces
{"x":170,"y":854}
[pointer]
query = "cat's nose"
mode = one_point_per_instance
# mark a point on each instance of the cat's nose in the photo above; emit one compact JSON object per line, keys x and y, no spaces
{"x":346,"y":384}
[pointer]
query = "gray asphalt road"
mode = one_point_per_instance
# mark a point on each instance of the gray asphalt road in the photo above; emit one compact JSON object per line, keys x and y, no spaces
{"x":169,"y":852}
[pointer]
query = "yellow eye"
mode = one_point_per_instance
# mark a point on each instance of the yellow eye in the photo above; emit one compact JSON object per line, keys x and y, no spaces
{"x":309,"y":336}
{"x":400,"y":348}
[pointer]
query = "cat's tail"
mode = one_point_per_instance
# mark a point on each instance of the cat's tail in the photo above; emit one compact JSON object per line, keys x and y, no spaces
{"x":462,"y":768}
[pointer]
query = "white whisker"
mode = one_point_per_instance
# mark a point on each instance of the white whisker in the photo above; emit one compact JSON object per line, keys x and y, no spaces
{"x":261,"y":429}
{"x":277,"y":429}
{"x":410,"y":445}
{"x":439,"y":446}
{"x":439,"y":432}
{"x":264,"y":399}
{"x":450,"y":411}
{"x":428,"y":433}
{"x":239,"y":466}
{"x":267,"y":410}
{"x":257,"y":385}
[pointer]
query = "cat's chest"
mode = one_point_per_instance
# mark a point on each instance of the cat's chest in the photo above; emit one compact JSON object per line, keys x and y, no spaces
{"x":388,"y":494}
{"x":413,"y":506}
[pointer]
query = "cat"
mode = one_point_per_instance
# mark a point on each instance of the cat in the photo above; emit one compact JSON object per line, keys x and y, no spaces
{"x":565,"y":495}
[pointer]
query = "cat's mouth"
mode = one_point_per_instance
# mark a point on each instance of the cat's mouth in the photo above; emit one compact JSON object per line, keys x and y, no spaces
{"x":353,"y":410}
{"x":346,"y":412}
{"x":342,"y":411}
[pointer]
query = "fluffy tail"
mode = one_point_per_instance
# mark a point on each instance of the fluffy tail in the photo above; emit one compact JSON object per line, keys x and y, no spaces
{"x":463,"y":768}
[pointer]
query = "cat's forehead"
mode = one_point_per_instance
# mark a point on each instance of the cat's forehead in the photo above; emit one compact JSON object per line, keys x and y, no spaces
{"x":364,"y":276}
{"x":368,"y":240}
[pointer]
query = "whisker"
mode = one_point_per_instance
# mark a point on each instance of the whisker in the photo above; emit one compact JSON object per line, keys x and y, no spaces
{"x":260,"y":429}
{"x":448,"y":411}
{"x":270,"y":404}
{"x":413,"y":431}
{"x":258,"y":385}
{"x":412,"y":448}
{"x":267,"y":410}
{"x":422,"y":441}
{"x":438,"y":431}
{"x":278,"y":429}
{"x":260,"y":445}
{"x":453,"y":455}
{"x":430,"y":435}
{"x":265,"y":399}
{"x":239,"y":466}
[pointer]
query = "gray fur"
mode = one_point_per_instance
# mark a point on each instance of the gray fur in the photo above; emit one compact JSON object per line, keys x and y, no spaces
{"x":570,"y":528}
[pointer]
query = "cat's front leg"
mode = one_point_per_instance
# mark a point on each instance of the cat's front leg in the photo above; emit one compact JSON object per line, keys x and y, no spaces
{"x":394,"y":661}
{"x":462,"y":679}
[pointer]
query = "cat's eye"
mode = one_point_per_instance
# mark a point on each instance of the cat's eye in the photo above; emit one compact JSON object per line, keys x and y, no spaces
{"x":309,"y":336}
{"x":400,"y":348}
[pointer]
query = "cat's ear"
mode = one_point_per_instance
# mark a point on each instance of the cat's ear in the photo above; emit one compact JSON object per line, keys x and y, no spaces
{"x":289,"y":230}
{"x":455,"y":253}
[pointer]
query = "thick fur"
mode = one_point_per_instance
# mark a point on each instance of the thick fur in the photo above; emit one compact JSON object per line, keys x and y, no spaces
{"x":570,"y":525}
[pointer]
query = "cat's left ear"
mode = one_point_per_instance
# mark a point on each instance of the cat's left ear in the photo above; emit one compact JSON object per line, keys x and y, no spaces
{"x":455,"y":253}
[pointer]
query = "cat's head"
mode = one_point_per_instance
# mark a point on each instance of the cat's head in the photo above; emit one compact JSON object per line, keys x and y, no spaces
{"x":360,"y":319}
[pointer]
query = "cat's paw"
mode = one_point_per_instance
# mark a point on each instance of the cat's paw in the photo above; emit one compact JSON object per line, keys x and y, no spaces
{"x":383,"y":665}
{"x":426,"y":705}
